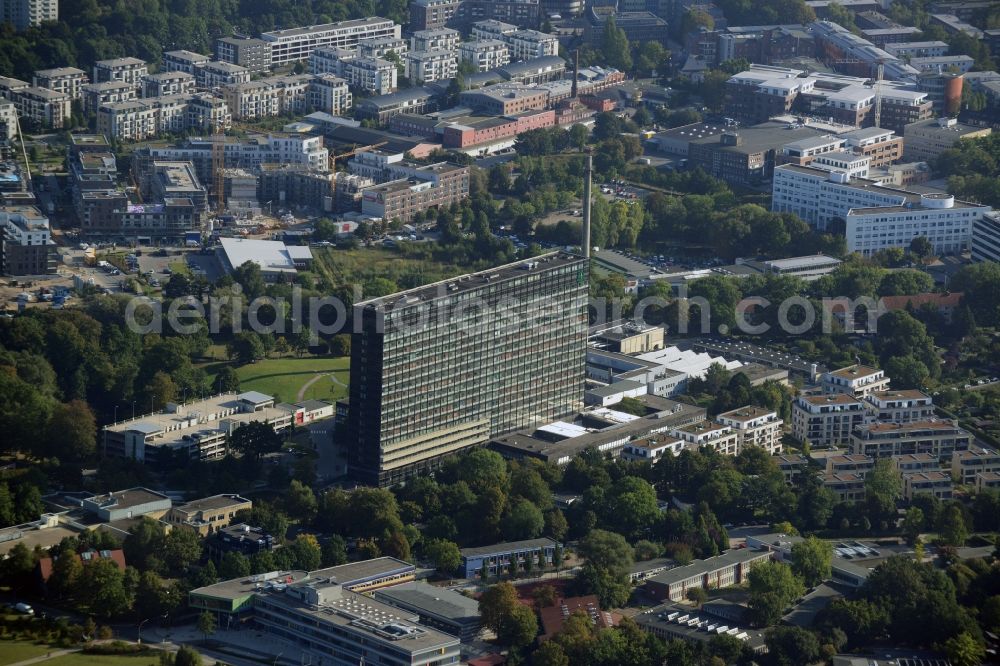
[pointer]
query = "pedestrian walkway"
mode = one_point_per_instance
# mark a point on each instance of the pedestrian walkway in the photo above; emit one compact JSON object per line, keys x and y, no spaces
{"x":44,"y":657}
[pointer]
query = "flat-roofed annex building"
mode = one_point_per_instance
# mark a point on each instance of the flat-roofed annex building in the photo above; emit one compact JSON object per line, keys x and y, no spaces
{"x":725,"y":570}
{"x":902,"y":406}
{"x":432,"y":375}
{"x":208,"y":514}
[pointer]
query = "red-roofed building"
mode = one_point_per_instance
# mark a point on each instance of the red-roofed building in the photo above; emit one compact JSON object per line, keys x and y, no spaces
{"x":554,"y":617}
{"x":488,"y":660}
{"x":944,"y":303}
{"x":45,"y":565}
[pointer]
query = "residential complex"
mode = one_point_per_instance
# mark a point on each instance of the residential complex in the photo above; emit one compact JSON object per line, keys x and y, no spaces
{"x":67,"y":80}
{"x":754,"y":426}
{"x":904,"y":406}
{"x":367,"y":73}
{"x":720,"y":437}
{"x":425,"y":187}
{"x":26,"y":246}
{"x":857,"y":381}
{"x":968,"y":463}
{"x":168,"y":83}
{"x":429,"y":66}
{"x":468,"y":389}
{"x":936,"y":437}
{"x":485,"y":54}
{"x":826,"y":420}
{"x":128,"y":70}
{"x":251,"y":54}
{"x":298,"y":43}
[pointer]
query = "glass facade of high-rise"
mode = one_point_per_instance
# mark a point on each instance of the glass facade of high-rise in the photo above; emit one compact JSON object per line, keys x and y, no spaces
{"x":444,"y":367}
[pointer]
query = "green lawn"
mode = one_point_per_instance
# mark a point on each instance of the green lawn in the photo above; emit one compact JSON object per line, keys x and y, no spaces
{"x":80,"y":659}
{"x":180,"y":267}
{"x":12,"y":652}
{"x":284,"y":377}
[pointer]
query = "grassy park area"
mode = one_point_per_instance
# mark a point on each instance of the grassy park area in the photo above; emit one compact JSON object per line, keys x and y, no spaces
{"x":81,"y":659}
{"x":322,"y":378}
{"x":12,"y":652}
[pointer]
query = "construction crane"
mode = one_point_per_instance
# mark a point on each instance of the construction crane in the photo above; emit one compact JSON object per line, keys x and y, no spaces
{"x":335,"y":184}
{"x":218,"y":169}
{"x":878,"y":93}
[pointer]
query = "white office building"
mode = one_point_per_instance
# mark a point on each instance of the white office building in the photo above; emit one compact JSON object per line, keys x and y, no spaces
{"x":877,"y":217}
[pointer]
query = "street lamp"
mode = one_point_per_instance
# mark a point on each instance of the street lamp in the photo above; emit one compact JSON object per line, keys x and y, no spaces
{"x":138,"y":639}
{"x":275,"y":662}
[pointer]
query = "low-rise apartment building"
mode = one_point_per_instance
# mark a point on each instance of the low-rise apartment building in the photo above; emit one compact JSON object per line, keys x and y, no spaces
{"x":485,"y":54}
{"x":492,"y":29}
{"x":429,"y":66}
{"x":937,"y":484}
{"x":857,"y":381}
{"x":987,"y":481}
{"x":791,"y":465}
{"x":826,"y":420}
{"x":940,"y":438}
{"x":845,"y":486}
{"x":380,"y":47}
{"x":965,"y":465}
{"x":129,"y":70}
{"x":68,"y":80}
{"x":109,"y":92}
{"x":754,"y":426}
{"x":209,"y":514}
{"x":367,"y":73}
{"x":849,"y":463}
{"x":652,"y":448}
{"x":720,"y":437}
{"x":901,"y":406}
{"x":911,"y":463}
{"x":128,"y":121}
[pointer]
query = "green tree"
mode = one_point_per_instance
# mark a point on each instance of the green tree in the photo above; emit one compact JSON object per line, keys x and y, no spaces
{"x":254,"y":439}
{"x":181,"y":548}
{"x":792,"y":646}
{"x":187,"y":656}
{"x":334,"y":551}
{"x":66,"y":572}
{"x":227,"y":380}
{"x":883,"y":488}
{"x":523,"y":521}
{"x":550,"y":653}
{"x":913,"y":524}
{"x":953,"y":529}
{"x":103,"y":586}
{"x":207,"y":624}
{"x":964,"y":650}
{"x":234,"y":565}
{"x":615,"y":47}
{"x":519,"y":627}
{"x":579,"y":135}
{"x":811,"y":560}
{"x":301,"y":502}
{"x":72,"y":432}
{"x":496,"y":604}
{"x":444,"y":554}
{"x":773,"y":587}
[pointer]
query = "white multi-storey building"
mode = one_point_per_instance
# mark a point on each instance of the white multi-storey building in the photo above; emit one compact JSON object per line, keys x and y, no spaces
{"x":23,"y":14}
{"x":373,"y":75}
{"x":754,"y":426}
{"x":298,"y":43}
{"x":184,"y":61}
{"x":8,"y":120}
{"x":42,"y":106}
{"x":168,"y":83}
{"x":252,"y":100}
{"x":109,"y":92}
{"x":216,"y":74}
{"x":492,"y":29}
{"x":528,"y":44}
{"x":485,"y":54}
{"x":903,"y":406}
{"x":380,"y":46}
{"x":857,"y":381}
{"x":826,"y":420}
{"x":329,"y":93}
{"x":720,"y":437}
{"x":429,"y":66}
{"x":67,"y":80}
{"x":433,"y":40}
{"x":877,"y":217}
{"x":129,"y":70}
{"x":127,"y":121}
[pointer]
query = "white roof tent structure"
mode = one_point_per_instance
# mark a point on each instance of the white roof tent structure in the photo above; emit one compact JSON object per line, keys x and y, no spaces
{"x":274,"y":257}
